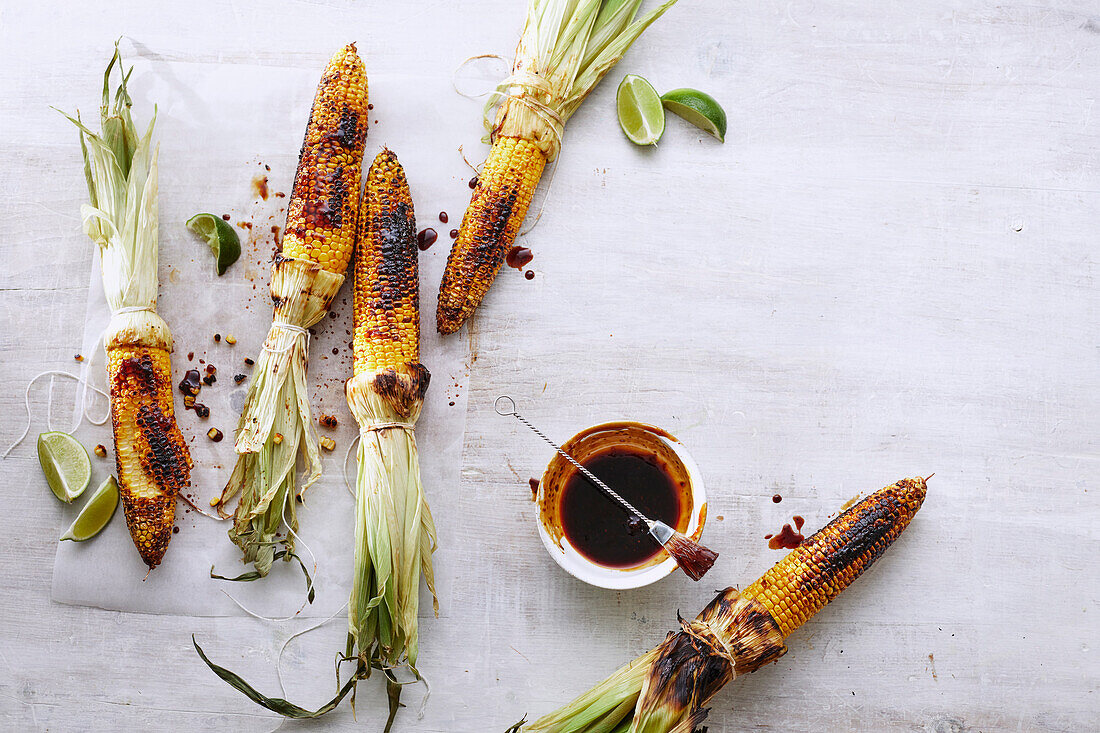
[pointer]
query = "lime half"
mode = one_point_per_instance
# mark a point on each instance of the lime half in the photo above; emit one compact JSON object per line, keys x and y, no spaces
{"x":698,"y":108}
{"x":640,"y":112}
{"x":65,"y":463}
{"x":221,"y":237}
{"x":96,"y":514}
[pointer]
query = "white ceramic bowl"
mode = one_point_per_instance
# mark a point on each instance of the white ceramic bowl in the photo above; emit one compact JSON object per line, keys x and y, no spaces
{"x":596,"y":439}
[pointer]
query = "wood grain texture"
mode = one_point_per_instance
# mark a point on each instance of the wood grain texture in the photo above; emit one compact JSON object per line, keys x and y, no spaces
{"x":888,"y":269}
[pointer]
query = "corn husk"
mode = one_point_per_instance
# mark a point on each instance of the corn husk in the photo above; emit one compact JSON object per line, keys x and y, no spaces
{"x":566,"y":48}
{"x":120,"y":168}
{"x":275,"y":426}
{"x":394,"y":532}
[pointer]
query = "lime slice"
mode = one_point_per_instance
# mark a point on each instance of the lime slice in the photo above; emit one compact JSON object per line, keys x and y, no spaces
{"x":698,"y":108}
{"x":96,"y":514}
{"x":640,"y":112}
{"x":221,"y":237}
{"x":65,"y":463}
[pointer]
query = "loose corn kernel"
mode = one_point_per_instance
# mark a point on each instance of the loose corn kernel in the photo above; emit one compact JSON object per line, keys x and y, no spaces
{"x":328,"y":444}
{"x":277,"y":438}
{"x":214,"y":434}
{"x":101,"y":451}
{"x":499,"y":203}
{"x":230,"y":339}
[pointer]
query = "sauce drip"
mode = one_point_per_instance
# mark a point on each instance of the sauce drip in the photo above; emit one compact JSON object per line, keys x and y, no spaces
{"x":602,"y":531}
{"x":454,"y":234}
{"x":259,"y":187}
{"x":776,"y":499}
{"x":426,"y":238}
{"x":473,"y":182}
{"x":519,"y":257}
{"x":788,"y":538}
{"x":530,"y":274}
{"x":443,"y":217}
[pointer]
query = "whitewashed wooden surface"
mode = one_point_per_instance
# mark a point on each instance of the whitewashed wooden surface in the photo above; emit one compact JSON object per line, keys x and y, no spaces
{"x":888,"y":269}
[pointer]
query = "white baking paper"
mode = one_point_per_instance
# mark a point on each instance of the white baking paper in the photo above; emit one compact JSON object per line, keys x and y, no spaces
{"x":221,"y":127}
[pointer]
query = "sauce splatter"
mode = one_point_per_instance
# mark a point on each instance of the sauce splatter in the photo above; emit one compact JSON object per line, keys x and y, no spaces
{"x":453,"y":233}
{"x":534,"y":482}
{"x":259,"y":187}
{"x":788,"y":538}
{"x":519,"y":257}
{"x":426,"y":238}
{"x":776,"y":498}
{"x":530,"y":274}
{"x":443,"y":217}
{"x":473,"y":182}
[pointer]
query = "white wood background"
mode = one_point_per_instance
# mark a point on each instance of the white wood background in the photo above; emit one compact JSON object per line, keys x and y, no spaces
{"x":888,"y":269}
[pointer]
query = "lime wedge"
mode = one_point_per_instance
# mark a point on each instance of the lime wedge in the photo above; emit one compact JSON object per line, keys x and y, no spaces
{"x":221,"y":237}
{"x":65,"y":463}
{"x":640,"y":113}
{"x":698,"y":108}
{"x":96,"y":514}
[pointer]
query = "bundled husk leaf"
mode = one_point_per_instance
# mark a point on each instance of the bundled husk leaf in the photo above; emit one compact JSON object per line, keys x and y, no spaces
{"x":566,"y":48}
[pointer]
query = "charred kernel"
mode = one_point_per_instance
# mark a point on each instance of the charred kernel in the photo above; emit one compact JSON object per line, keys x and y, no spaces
{"x":328,"y":421}
{"x":79,"y":357}
{"x":238,"y":378}
{"x":230,"y":339}
{"x":202,"y":410}
{"x":277,"y":438}
{"x":217,"y":337}
{"x":209,"y":379}
{"x":249,"y":362}
{"x":215,"y":435}
{"x":101,"y":451}
{"x":328,"y":444}
{"x":189,"y":400}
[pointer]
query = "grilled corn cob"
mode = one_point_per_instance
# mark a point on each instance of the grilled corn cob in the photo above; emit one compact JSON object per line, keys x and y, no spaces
{"x":152,"y":459}
{"x":505,"y":187}
{"x":395,"y":535}
{"x":666,"y":688}
{"x":318,"y":240}
{"x":548,"y":83}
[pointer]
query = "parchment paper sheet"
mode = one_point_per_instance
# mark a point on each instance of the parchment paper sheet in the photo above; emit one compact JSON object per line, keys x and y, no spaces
{"x":220,"y":127}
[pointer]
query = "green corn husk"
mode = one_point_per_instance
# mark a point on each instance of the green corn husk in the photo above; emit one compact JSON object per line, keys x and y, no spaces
{"x":566,"y":48}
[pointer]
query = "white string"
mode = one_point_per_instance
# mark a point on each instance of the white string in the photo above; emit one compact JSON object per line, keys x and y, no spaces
{"x":84,"y":411}
{"x":136,"y":309}
{"x":345,"y":469}
{"x":286,"y":327}
{"x":279,"y":658}
{"x":369,"y":427}
{"x":309,"y":588}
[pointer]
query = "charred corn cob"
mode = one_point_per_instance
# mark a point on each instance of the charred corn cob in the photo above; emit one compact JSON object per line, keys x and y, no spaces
{"x":152,"y":459}
{"x":318,"y":240}
{"x":548,"y":83}
{"x":505,"y":187}
{"x":395,"y":535}
{"x":804,"y":581}
{"x":666,"y":688}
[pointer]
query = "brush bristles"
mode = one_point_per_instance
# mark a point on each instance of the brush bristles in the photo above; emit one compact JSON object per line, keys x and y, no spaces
{"x":694,"y":559}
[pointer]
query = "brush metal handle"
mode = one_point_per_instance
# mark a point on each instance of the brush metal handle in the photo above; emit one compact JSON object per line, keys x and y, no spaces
{"x":505,"y":406}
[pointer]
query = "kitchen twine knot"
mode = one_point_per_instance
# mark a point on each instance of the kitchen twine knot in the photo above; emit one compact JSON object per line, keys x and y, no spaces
{"x":376,"y":426}
{"x":136,"y":309}
{"x":286,"y":327}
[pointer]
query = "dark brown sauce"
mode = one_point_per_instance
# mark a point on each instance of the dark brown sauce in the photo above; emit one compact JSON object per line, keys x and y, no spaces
{"x":191,"y":384}
{"x":519,"y":257}
{"x":259,"y":187}
{"x":788,"y":538}
{"x":426,"y":238}
{"x":598,"y":528}
{"x":453,"y":234}
{"x":534,"y":482}
{"x":443,"y":217}
{"x":530,"y":274}
{"x":776,"y":498}
{"x":473,"y":182}
{"x":798,"y":522}
{"x":225,"y":216}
